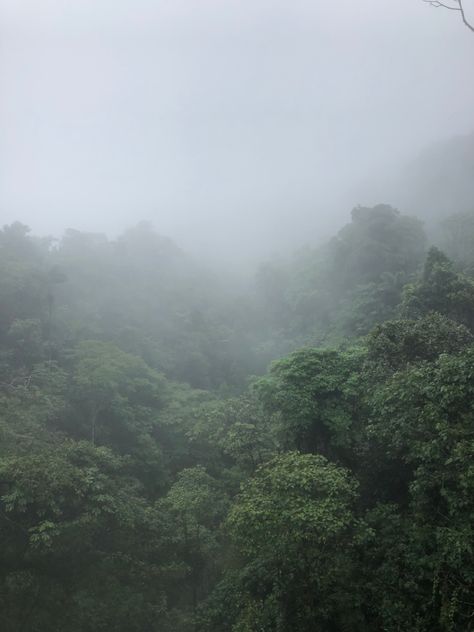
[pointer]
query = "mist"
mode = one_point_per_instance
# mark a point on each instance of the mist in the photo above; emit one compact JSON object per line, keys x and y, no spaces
{"x":237,"y":128}
{"x":236,"y":316}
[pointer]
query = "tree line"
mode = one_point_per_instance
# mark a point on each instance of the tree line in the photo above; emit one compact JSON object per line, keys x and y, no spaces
{"x":179,"y":454}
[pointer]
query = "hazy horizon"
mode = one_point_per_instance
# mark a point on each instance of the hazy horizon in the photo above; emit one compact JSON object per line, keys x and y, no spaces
{"x":234,"y":127}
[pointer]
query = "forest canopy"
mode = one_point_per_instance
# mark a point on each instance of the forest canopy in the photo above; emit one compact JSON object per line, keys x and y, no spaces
{"x":179,"y":453}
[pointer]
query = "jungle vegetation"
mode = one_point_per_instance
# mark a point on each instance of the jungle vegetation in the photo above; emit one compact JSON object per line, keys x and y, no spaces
{"x":178,"y":454}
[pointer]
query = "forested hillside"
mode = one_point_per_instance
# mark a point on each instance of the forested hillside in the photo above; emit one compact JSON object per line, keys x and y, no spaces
{"x":430,"y":184}
{"x":179,"y":453}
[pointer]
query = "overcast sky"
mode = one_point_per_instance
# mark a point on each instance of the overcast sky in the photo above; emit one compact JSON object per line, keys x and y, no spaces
{"x":226,"y":122}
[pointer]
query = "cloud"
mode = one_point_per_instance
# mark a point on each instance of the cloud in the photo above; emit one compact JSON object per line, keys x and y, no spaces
{"x":222,"y":121}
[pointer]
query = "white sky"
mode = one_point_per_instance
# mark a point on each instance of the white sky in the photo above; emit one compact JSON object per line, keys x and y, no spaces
{"x":231,"y":124}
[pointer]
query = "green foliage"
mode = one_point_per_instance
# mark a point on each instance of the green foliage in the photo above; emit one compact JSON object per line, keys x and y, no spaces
{"x":197,"y":505}
{"x":293,"y":500}
{"x":378,"y":241}
{"x":347,"y":286}
{"x":292,"y":520}
{"x":73,"y":526}
{"x":457,"y":239}
{"x":422,"y":417}
{"x":23,"y":278}
{"x":441,"y":289}
{"x":239,"y":428}
{"x":313,"y":395}
{"x":32,"y":406}
{"x":397,"y":343}
{"x":117,"y":399}
{"x":151,"y":479}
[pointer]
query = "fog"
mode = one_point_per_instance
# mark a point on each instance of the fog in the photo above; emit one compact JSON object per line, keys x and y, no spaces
{"x":238,"y":127}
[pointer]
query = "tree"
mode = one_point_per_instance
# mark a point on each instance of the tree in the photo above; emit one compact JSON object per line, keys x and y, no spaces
{"x":23,"y":277}
{"x":32,"y":408}
{"x":440,"y":289}
{"x":397,"y":343}
{"x":457,"y":239}
{"x":378,"y":241}
{"x":197,"y":506}
{"x":111,"y":384}
{"x":455,"y":5}
{"x":80,"y":548}
{"x":239,"y":428}
{"x":421,"y":421}
{"x":313,"y":396}
{"x":293,"y":525}
{"x":115,"y":400}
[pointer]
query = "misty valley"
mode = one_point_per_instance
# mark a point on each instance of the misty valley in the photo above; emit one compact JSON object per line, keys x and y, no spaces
{"x":291,"y":452}
{"x":236,"y":316}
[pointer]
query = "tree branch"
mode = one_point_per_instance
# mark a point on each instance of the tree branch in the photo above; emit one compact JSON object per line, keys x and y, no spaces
{"x":458,"y":6}
{"x":437,"y":4}
{"x":464,"y":19}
